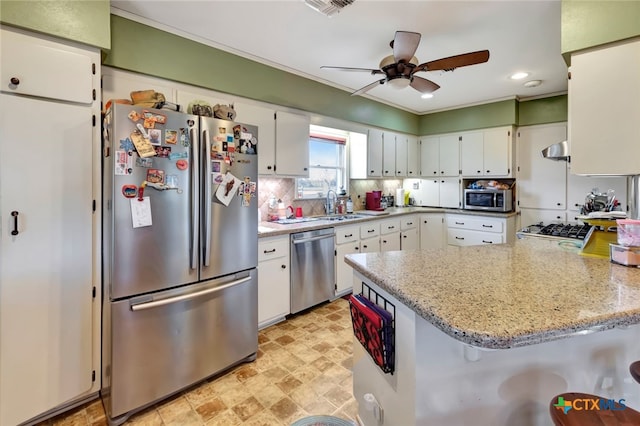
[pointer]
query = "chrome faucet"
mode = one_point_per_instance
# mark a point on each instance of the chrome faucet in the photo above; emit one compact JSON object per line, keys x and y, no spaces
{"x":329,"y":207}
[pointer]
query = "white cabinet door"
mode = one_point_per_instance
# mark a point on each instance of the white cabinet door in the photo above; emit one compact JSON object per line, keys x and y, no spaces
{"x":430,"y":193}
{"x":264,"y":118}
{"x":432,"y":231}
{"x":541,"y":183}
{"x":604,"y":106}
{"x":401,"y":156}
{"x":413,"y":157}
{"x":430,"y":157}
{"x":409,"y":239}
{"x":449,"y":155}
{"x":273,"y":280}
{"x":374,"y":153}
{"x":39,"y":67}
{"x":472,"y":154}
{"x":344,"y":272}
{"x":46,"y":158}
{"x":463,"y":237}
{"x":498,"y":144}
{"x":370,"y":245}
{"x":388,"y":154}
{"x":389,"y":242}
{"x":292,"y":144}
{"x":450,"y":192}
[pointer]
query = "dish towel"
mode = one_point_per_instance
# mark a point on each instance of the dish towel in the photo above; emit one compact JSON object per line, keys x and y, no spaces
{"x":373,"y":327}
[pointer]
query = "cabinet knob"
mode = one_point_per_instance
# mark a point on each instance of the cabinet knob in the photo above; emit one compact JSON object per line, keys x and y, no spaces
{"x":559,"y":204}
{"x":15,"y":81}
{"x":478,"y":171}
{"x":435,"y":173}
{"x":305,"y":169}
{"x":399,"y":172}
{"x":371,"y":172}
{"x":488,"y":171}
{"x":442,"y":171}
{"x":268,"y":167}
{"x":283,"y":266}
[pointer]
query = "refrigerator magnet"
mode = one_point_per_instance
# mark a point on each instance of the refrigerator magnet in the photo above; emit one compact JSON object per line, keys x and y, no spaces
{"x":143,"y":146}
{"x":222,"y":130}
{"x":231,"y":147}
{"x":229,"y":138}
{"x":127,"y":144}
{"x":170,"y":136}
{"x":155,"y":117}
{"x":133,"y":115}
{"x":216,"y":145}
{"x":149,"y":124}
{"x":144,"y":162}
{"x":217,"y":179}
{"x":129,"y":191}
{"x":155,"y":176}
{"x":177,"y":155}
{"x":184,"y":137}
{"x":154,"y":136}
{"x":163,"y":151}
{"x":215,"y":167}
{"x":237,"y":129}
{"x":171,"y":181}
{"x":182,"y":164}
{"x":246,"y":200}
{"x":123,"y":163}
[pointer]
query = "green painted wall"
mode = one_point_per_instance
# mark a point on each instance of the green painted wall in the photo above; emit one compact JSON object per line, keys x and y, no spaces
{"x":78,"y":20}
{"x":495,"y":114}
{"x":592,"y":23}
{"x":140,"y":48}
{"x":541,"y":111}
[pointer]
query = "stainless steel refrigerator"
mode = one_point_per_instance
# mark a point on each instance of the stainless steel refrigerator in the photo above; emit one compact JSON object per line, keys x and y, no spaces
{"x":179,"y":253}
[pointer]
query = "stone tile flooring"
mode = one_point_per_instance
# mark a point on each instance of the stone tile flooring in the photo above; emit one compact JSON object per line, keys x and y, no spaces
{"x":303,"y":368}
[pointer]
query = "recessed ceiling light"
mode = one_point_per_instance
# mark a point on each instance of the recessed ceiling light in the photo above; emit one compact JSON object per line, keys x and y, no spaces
{"x":519,"y":75}
{"x":533,"y":83}
{"x":427,"y":95}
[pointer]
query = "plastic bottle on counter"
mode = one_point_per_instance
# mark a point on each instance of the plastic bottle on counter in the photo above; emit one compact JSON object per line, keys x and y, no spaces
{"x":349,"y":206}
{"x":282,"y":211}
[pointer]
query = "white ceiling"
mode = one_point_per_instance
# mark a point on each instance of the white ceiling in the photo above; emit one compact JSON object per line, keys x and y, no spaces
{"x":289,"y":35}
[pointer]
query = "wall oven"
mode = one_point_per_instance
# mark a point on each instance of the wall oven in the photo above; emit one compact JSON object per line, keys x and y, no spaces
{"x":496,"y":200}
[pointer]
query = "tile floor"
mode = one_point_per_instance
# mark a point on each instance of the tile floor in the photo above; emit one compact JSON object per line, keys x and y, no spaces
{"x":303,"y":368}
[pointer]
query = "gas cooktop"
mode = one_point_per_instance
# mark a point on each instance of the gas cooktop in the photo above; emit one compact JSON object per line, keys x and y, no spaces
{"x":562,"y":231}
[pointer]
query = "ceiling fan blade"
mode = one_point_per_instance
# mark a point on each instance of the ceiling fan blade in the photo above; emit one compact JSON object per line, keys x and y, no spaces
{"x":372,"y":71}
{"x":368,"y":87}
{"x":405,"y":45}
{"x":452,"y":62}
{"x":423,"y":85}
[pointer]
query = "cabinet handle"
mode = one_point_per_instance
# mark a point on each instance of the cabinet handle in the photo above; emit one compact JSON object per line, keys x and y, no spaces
{"x":283,"y":266}
{"x":410,"y":173}
{"x":442,"y":172}
{"x":488,"y":171}
{"x":487,"y":226}
{"x":487,"y":242}
{"x":459,"y":238}
{"x":386,"y":172}
{"x":435,"y":173}
{"x":371,"y":172}
{"x":357,"y":248}
{"x":270,"y":251}
{"x":459,"y":223}
{"x":404,"y":236}
{"x":577,"y":205}
{"x":399,"y":171}
{"x":390,"y":227}
{"x":15,"y":223}
{"x":348,"y":235}
{"x":409,"y":223}
{"x":559,"y":204}
{"x":478,"y":171}
{"x":384,"y":241}
{"x":305,"y":169}
{"x":268,"y":167}
{"x":371,"y":230}
{"x":15,"y":81}
{"x":364,"y":246}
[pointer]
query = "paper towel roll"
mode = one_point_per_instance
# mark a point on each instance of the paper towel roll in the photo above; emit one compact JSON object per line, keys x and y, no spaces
{"x":399,"y":197}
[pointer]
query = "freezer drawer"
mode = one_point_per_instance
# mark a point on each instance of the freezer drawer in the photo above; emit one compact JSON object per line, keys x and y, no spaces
{"x":161,"y":344}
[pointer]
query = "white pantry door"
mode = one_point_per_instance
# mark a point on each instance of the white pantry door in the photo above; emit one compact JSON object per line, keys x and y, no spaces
{"x":46,"y":269}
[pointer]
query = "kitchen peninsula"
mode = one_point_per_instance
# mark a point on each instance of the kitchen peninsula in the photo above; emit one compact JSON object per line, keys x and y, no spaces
{"x":488,"y":335}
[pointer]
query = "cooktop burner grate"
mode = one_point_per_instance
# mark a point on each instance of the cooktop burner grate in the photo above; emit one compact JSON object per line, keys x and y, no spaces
{"x":578,"y":232}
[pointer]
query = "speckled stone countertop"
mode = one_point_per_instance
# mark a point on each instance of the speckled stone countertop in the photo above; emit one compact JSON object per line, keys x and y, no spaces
{"x":271,"y":229}
{"x":505,"y":296}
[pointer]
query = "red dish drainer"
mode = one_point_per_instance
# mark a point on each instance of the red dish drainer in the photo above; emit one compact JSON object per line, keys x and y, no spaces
{"x":373,"y":320}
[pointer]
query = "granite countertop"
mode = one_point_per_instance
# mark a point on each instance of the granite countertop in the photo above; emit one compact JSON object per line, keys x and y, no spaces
{"x":271,"y":229}
{"x":506,"y":296}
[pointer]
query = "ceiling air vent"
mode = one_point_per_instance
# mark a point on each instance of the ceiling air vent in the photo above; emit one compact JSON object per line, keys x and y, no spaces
{"x":328,"y":7}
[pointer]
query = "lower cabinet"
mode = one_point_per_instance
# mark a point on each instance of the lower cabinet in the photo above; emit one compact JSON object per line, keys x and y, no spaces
{"x":467,"y":230}
{"x":347,"y":242}
{"x":432,"y":231}
{"x":273,"y":280}
{"x":390,"y":234}
{"x":409,"y":233}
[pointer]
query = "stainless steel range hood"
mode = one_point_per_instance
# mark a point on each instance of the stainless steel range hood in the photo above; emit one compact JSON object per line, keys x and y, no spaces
{"x":558,"y":151}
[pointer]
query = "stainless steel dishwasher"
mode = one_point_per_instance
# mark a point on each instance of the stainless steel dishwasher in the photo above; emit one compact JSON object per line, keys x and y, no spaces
{"x":313,"y":264}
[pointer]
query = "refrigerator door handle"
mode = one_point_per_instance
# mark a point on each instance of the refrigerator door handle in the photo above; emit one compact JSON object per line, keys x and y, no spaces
{"x":195,"y":206}
{"x":170,"y":300}
{"x":206,"y":160}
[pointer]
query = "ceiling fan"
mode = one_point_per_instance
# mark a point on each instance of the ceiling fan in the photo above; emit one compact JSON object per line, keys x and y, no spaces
{"x":400,"y":68}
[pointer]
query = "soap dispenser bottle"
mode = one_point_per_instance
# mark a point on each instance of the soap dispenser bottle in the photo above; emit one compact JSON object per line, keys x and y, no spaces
{"x":349,"y":206}
{"x":282,"y":211}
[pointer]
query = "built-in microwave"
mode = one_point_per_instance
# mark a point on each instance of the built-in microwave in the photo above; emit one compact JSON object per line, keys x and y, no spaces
{"x":496,"y":200}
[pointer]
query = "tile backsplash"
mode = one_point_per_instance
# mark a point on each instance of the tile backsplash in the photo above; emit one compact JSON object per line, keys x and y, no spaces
{"x":284,"y":189}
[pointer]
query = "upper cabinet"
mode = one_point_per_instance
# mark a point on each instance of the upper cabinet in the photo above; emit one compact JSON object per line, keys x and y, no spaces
{"x":440,"y":156}
{"x":413,"y":157}
{"x":264,"y":119}
{"x":604,"y":106}
{"x":292,"y":144}
{"x":541,"y":182}
{"x":389,"y":154}
{"x":374,"y":153}
{"x":487,"y":153}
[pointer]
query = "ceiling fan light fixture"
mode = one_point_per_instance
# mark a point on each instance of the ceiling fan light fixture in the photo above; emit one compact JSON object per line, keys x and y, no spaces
{"x":519,"y":75}
{"x":399,"y":82}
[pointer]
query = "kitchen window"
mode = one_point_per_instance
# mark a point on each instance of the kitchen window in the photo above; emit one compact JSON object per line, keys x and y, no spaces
{"x":327,"y":163}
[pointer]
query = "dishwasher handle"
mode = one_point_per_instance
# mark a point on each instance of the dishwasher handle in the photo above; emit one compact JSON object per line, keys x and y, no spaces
{"x":308,"y":240}
{"x":170,"y":300}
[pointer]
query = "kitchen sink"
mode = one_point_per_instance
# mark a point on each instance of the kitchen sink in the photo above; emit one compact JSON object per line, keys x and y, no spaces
{"x":335,"y":217}
{"x":295,"y":220}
